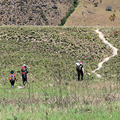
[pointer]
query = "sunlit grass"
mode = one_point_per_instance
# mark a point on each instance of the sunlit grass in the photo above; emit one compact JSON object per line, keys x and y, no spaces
{"x":52,"y":91}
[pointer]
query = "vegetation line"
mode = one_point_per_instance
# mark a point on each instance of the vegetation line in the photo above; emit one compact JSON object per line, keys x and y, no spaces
{"x":71,"y":10}
{"x":101,"y":36}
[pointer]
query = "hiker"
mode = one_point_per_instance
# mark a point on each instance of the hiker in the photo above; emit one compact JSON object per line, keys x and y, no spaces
{"x":80,"y":70}
{"x":12,"y":78}
{"x":24,"y":74}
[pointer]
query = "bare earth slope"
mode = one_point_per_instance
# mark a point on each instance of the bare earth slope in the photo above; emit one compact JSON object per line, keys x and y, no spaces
{"x":88,"y":15}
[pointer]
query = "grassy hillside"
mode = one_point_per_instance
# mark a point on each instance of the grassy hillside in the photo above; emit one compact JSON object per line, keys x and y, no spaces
{"x":86,"y":14}
{"x":52,"y":91}
{"x":56,"y":45}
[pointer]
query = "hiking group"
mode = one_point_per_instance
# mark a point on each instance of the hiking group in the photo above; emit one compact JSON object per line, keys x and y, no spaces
{"x":80,"y":70}
{"x":12,"y":76}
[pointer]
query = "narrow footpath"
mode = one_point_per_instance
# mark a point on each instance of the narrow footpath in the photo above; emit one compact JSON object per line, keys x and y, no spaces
{"x":101,"y":36}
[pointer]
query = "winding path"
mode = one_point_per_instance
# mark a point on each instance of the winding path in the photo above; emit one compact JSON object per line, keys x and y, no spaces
{"x":101,"y":36}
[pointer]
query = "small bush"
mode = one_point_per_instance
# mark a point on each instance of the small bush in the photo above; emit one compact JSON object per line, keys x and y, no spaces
{"x":30,"y":18}
{"x":100,"y":1}
{"x":46,"y":23}
{"x":2,"y":12}
{"x":96,"y":4}
{"x":116,"y":33}
{"x":5,"y":23}
{"x":39,"y":23}
{"x":0,"y":19}
{"x":75,"y":3}
{"x":18,"y":22}
{"x":3,"y":3}
{"x":13,"y":20}
{"x":109,"y":8}
{"x":63,"y":21}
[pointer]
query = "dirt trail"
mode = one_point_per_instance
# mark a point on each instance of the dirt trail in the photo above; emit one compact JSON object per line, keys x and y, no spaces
{"x":101,"y":36}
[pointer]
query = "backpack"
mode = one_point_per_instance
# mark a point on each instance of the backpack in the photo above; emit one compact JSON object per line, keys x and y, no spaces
{"x":12,"y":77}
{"x":79,"y":67}
{"x":24,"y":70}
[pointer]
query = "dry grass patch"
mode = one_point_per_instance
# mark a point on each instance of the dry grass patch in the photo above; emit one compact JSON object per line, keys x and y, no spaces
{"x":88,"y":15}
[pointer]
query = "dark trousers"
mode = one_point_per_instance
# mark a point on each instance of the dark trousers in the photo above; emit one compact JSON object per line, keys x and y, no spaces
{"x":24,"y":78}
{"x":80,"y":74}
{"x":12,"y":82}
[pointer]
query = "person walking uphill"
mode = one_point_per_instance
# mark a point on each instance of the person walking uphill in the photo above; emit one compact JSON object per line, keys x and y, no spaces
{"x":80,"y":70}
{"x":24,"y":74}
{"x":12,"y":78}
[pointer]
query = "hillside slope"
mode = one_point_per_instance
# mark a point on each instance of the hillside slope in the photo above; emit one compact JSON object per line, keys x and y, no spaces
{"x":55,"y":46}
{"x":33,"y":12}
{"x":86,"y":14}
{"x":52,"y":90}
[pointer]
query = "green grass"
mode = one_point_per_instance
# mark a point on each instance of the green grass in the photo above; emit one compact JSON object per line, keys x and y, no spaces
{"x":111,"y":69}
{"x":21,"y":111}
{"x":52,"y":91}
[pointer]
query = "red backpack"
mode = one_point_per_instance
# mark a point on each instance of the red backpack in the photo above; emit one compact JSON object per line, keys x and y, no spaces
{"x":23,"y":69}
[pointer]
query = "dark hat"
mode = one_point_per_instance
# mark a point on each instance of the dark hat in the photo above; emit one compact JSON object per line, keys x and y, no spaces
{"x":12,"y":72}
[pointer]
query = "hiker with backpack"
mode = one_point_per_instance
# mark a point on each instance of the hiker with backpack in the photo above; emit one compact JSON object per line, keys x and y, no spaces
{"x":80,"y":70}
{"x":24,"y":74}
{"x":12,"y":78}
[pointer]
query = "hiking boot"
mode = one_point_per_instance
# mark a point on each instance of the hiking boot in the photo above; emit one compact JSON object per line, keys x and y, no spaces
{"x":24,"y":83}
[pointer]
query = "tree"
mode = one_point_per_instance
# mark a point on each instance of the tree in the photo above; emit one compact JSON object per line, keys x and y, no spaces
{"x":112,"y":17}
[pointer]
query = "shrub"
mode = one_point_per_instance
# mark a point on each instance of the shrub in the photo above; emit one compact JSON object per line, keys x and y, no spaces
{"x":54,"y":7}
{"x":96,"y":4}
{"x":0,"y":19}
{"x":13,"y":20}
{"x":46,"y":23}
{"x":75,"y":3}
{"x":39,"y":23}
{"x":109,"y":8}
{"x":18,"y":22}
{"x":63,"y":21}
{"x":30,"y":18}
{"x":2,"y":12}
{"x":3,"y":3}
{"x":5,"y":23}
{"x":10,"y":19}
{"x":115,"y":33}
{"x":42,"y":15}
{"x":34,"y":10}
